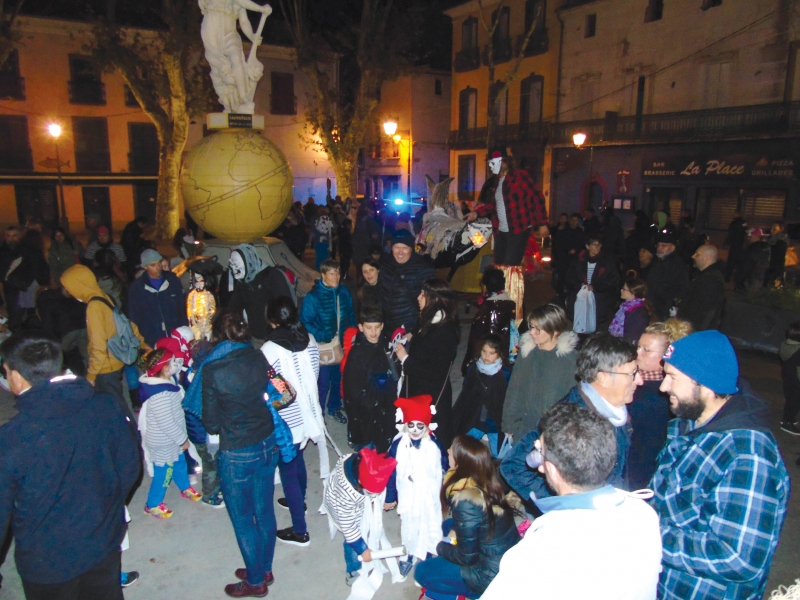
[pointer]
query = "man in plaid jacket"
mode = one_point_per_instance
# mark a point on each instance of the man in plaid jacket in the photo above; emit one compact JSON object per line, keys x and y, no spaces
{"x":721,"y":487}
{"x":515,"y":205}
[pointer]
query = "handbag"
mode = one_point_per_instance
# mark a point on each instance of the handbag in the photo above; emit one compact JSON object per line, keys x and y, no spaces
{"x":585,"y":316}
{"x":331,"y":353}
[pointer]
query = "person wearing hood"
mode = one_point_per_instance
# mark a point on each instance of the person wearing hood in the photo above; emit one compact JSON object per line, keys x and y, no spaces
{"x":256,"y":284}
{"x":545,"y":369}
{"x":156,"y":302}
{"x":704,"y":300}
{"x":668,"y":279}
{"x":778,"y":243}
{"x":104,"y":370}
{"x":294,"y":355}
{"x":609,"y":377}
{"x":790,"y":371}
{"x":327,"y":312}
{"x":721,"y":488}
{"x":400,"y":282}
{"x":62,"y":253}
{"x":70,"y":460}
{"x":597,"y":270}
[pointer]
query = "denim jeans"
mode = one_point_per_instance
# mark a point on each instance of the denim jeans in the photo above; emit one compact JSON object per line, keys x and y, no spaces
{"x":101,"y":582}
{"x":351,"y":561}
{"x":247,"y":477}
{"x":295,"y":480}
{"x":329,"y":379}
{"x":322,"y":252}
{"x":442,"y":579}
{"x":162,"y":476}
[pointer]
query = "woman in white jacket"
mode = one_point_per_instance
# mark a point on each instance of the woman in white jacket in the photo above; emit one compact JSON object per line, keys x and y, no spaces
{"x":294,"y":354}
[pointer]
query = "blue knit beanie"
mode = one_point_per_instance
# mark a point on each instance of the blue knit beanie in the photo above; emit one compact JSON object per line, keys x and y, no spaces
{"x":708,"y":358}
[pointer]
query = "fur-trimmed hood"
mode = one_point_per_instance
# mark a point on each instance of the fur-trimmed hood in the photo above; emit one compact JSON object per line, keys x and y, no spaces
{"x":567,"y":342}
{"x":474,"y":496}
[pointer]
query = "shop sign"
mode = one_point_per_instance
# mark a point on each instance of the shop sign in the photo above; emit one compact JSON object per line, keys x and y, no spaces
{"x":623,"y":181}
{"x":723,"y":167}
{"x":659,"y":168}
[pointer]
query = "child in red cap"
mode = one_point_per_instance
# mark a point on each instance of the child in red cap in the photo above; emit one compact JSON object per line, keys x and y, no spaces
{"x":415,"y":484}
{"x":357,"y":486}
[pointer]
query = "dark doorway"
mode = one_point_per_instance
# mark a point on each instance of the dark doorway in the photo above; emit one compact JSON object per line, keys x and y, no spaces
{"x":666,"y":199}
{"x":97,"y":200}
{"x":145,"y":195}
{"x":40,"y":201}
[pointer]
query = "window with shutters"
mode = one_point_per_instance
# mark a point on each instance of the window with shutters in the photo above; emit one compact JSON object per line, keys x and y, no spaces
{"x":466,"y":177}
{"x":85,"y":84}
{"x":143,"y":143}
{"x":469,"y":34}
{"x":762,"y":208}
{"x":12,"y":86}
{"x":502,"y":104}
{"x":15,"y":146}
{"x":590,"y":26}
{"x":501,"y":39}
{"x":530,"y":105}
{"x":538,"y":42}
{"x":468,"y":109}
{"x":90,"y":135}
{"x":282,"y":95}
{"x":654,"y":11}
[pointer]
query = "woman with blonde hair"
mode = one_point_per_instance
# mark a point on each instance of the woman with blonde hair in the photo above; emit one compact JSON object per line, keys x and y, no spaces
{"x":649,"y":412}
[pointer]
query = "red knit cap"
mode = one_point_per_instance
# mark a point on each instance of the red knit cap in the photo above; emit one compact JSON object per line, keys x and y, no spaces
{"x":375,"y":470}
{"x":416,"y":408}
{"x":173,"y":346}
{"x":162,"y":362}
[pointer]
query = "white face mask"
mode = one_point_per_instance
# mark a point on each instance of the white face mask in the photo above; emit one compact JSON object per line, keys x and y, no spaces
{"x":414,"y":431}
{"x":495,"y":164}
{"x":199,"y":283}
{"x":174,"y":367}
{"x":237,"y":265}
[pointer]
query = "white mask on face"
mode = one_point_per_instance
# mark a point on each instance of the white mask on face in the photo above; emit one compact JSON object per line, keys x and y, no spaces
{"x":199,"y":283}
{"x":414,"y":432}
{"x":237,"y":265}
{"x":495,"y":164}
{"x":174,"y":366}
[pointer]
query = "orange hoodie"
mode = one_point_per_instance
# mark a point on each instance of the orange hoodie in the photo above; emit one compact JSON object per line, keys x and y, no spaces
{"x":81,"y":283}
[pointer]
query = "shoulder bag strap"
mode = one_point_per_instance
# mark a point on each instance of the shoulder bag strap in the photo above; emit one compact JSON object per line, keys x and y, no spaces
{"x":446,"y":378}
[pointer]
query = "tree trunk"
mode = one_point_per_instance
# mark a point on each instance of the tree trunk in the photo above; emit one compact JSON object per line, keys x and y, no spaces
{"x":169,"y":172}
{"x":346,"y":176}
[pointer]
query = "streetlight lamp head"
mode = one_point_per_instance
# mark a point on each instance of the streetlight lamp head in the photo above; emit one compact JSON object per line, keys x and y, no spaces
{"x":54,"y":129}
{"x":397,"y":137}
{"x":390,"y":127}
{"x":579,"y":139}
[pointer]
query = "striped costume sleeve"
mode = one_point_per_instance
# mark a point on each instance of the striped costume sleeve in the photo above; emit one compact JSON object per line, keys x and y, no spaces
{"x":344,"y":504}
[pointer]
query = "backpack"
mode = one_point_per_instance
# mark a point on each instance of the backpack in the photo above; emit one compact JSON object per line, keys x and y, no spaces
{"x":124,"y":345}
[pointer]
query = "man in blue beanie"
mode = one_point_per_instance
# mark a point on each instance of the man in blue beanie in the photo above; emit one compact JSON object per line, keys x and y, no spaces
{"x":721,"y":487}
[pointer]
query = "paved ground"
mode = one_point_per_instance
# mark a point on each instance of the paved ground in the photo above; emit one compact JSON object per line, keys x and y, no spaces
{"x":194,"y":554}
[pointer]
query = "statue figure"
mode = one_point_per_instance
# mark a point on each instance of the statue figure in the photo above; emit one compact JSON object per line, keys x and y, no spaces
{"x":233,"y":76}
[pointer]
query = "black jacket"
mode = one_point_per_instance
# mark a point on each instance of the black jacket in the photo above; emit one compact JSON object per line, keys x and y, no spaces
{"x":479,"y":548}
{"x":253,"y":297}
{"x":736,"y":238}
{"x":399,"y":287}
{"x":667,"y":284}
{"x":60,"y":315}
{"x":480,"y":392}
{"x":564,"y":241}
{"x":69,"y":460}
{"x":233,"y":399}
{"x":649,"y":415}
{"x":370,"y":389}
{"x":494,"y":316}
{"x":427,"y":371}
{"x":605,"y":283}
{"x":703,"y":303}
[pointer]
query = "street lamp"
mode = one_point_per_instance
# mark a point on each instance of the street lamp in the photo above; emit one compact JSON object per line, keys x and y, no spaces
{"x":579,"y":139}
{"x":390,"y":128}
{"x":55,"y":132}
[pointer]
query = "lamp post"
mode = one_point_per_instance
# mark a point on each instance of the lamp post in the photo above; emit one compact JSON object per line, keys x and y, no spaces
{"x":390,"y":128}
{"x":55,"y":131}
{"x":579,"y":139}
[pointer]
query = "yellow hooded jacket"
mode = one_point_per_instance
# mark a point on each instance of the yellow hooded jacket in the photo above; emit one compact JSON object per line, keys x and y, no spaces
{"x":81,"y":283}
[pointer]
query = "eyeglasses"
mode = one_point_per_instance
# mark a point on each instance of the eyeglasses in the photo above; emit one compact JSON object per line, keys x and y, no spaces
{"x":416,"y":425}
{"x":631,"y":375}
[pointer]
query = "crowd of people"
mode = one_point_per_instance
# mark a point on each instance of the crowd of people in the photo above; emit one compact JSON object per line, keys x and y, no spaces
{"x":630,"y":462}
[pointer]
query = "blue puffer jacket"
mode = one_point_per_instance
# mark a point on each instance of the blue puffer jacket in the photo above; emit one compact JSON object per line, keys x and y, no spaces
{"x":157,"y":312}
{"x":525,"y":480}
{"x":318,"y":312}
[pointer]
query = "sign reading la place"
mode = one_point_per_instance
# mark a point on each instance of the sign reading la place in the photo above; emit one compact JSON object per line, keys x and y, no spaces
{"x":725,"y":167}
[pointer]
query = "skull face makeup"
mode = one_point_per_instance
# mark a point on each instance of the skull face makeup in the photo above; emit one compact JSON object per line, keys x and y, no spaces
{"x":174,"y":367}
{"x":495,"y":164}
{"x":236,"y":264}
{"x":416,"y":429}
{"x":199,"y":282}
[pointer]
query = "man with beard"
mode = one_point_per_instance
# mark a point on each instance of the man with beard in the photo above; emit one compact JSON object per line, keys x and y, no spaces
{"x":721,"y":487}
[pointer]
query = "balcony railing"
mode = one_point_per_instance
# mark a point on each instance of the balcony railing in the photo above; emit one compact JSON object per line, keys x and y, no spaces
{"x":12,"y":87}
{"x":467,"y":60}
{"x":721,"y":123}
{"x":87,"y":92}
{"x":502,"y":52}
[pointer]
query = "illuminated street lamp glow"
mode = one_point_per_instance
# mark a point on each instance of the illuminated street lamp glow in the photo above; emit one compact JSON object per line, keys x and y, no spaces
{"x":578,"y":139}
{"x":390,"y":127}
{"x":398,"y":202}
{"x":54,"y":129}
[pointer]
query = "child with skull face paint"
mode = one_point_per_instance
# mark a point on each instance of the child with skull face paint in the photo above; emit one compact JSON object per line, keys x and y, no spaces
{"x":416,"y":482}
{"x":163,"y":428}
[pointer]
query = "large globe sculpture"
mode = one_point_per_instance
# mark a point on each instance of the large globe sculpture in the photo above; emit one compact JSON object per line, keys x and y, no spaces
{"x":237,"y":185}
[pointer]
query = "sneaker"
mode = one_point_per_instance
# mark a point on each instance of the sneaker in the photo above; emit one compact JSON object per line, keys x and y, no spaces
{"x":405,"y":566}
{"x":269,"y":578}
{"x":351,"y":577}
{"x":159,"y":512}
{"x":214,"y":501}
{"x":290,"y":536}
{"x":191,"y":494}
{"x":245,"y":590}
{"x":790,"y":428}
{"x":129,"y":578}
{"x":284,"y":504}
{"x":339,"y":416}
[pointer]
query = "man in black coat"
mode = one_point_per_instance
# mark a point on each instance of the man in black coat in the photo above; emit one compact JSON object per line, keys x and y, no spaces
{"x":70,"y":460}
{"x":567,"y":243}
{"x":600,"y":273}
{"x":703,"y":303}
{"x":400,"y":282}
{"x":668,"y":279}
{"x":735,"y":242}
{"x":591,"y":224}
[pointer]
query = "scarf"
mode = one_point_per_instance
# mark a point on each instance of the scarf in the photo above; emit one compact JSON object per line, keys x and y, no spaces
{"x":253,"y":265}
{"x":458,"y":486}
{"x":491,"y":368}
{"x":617,"y":415}
{"x":617,"y":327}
{"x":193,"y":401}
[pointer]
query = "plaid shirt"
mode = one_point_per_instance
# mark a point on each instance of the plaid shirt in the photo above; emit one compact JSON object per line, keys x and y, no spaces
{"x":525,"y":204}
{"x":652,"y":375}
{"x":721,"y":497}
